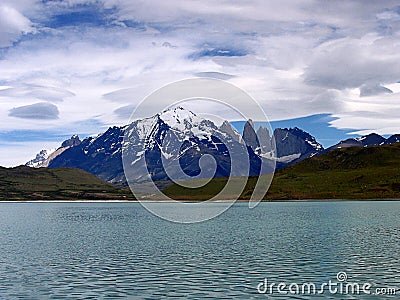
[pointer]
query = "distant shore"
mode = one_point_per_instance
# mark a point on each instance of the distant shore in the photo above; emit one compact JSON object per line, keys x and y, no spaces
{"x":192,"y":201}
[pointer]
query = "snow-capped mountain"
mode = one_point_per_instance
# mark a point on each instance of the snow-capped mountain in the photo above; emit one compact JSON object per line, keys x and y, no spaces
{"x":41,"y":159}
{"x":174,"y":141}
{"x":171,"y":144}
{"x":44,"y":157}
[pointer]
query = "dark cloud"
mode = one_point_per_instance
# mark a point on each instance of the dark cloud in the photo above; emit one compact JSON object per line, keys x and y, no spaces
{"x":37,"y":111}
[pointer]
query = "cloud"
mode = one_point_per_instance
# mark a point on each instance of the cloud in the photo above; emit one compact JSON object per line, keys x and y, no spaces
{"x":31,"y":91}
{"x":372,"y":90}
{"x":98,"y":59}
{"x":12,"y":25}
{"x":327,"y":101}
{"x":350,"y":63}
{"x":125,"y":112}
{"x":37,"y":111}
{"x":122,"y":95}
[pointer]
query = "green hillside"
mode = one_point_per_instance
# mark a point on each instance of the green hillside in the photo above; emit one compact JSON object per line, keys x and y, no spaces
{"x":349,"y":173}
{"x":24,"y":183}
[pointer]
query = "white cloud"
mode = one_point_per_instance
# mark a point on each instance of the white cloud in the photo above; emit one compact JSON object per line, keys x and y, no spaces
{"x":349,"y":62}
{"x":296,"y":58}
{"x":12,"y":25}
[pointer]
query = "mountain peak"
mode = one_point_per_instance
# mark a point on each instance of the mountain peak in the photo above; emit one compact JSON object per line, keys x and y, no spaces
{"x":72,"y":142}
{"x":178,"y":117}
{"x":249,"y":135}
{"x":39,"y":160}
{"x":228,"y":129}
{"x":250,"y":123}
{"x":296,"y":129}
{"x":393,"y":139}
{"x":371,"y":139}
{"x":179,"y":111}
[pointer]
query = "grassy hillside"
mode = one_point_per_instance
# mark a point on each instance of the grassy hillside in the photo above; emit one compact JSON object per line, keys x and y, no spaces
{"x":24,"y":183}
{"x":350,"y":173}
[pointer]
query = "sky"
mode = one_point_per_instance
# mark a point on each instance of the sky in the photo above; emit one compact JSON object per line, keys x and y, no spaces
{"x":80,"y":66}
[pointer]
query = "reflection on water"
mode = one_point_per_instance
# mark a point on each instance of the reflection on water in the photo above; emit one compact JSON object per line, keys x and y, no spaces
{"x":119,"y":250}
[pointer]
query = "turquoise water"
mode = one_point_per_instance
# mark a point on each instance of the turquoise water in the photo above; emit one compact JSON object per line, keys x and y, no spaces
{"x":119,"y":250}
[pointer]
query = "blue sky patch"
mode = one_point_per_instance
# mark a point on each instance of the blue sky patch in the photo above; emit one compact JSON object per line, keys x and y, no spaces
{"x":89,"y":14}
{"x":32,"y":135}
{"x":218,"y":52}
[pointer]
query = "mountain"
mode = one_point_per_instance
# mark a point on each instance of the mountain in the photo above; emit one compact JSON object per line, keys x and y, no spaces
{"x":250,"y":136}
{"x":170,"y":145}
{"x":44,"y":157}
{"x":175,"y":142}
{"x":25,"y":183}
{"x":266,"y":143}
{"x":294,"y":144}
{"x":371,"y":139}
{"x":227,"y":128}
{"x":393,"y":139}
{"x":41,"y":159}
{"x":170,"y":142}
{"x":346,"y":173}
{"x":72,"y":142}
{"x":99,"y":155}
{"x":289,"y":145}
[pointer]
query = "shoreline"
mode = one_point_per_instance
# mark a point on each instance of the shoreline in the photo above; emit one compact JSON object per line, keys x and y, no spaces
{"x":196,"y":201}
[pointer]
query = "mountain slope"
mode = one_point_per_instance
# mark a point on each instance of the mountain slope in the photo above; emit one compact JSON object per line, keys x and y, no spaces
{"x":25,"y":183}
{"x":347,"y":173}
{"x":100,"y":156}
{"x":44,"y":157}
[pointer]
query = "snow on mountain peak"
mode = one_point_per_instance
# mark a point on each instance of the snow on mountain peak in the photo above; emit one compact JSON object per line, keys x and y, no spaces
{"x":179,"y":118}
{"x":40,"y":159}
{"x":143,"y":127}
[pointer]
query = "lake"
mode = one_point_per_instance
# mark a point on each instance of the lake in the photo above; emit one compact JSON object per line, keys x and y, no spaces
{"x":119,"y":250}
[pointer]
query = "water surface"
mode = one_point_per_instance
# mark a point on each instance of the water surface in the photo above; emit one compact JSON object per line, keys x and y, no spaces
{"x":119,"y":250}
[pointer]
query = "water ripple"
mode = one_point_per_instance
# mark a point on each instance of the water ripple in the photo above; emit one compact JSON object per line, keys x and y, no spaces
{"x":112,"y":251}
